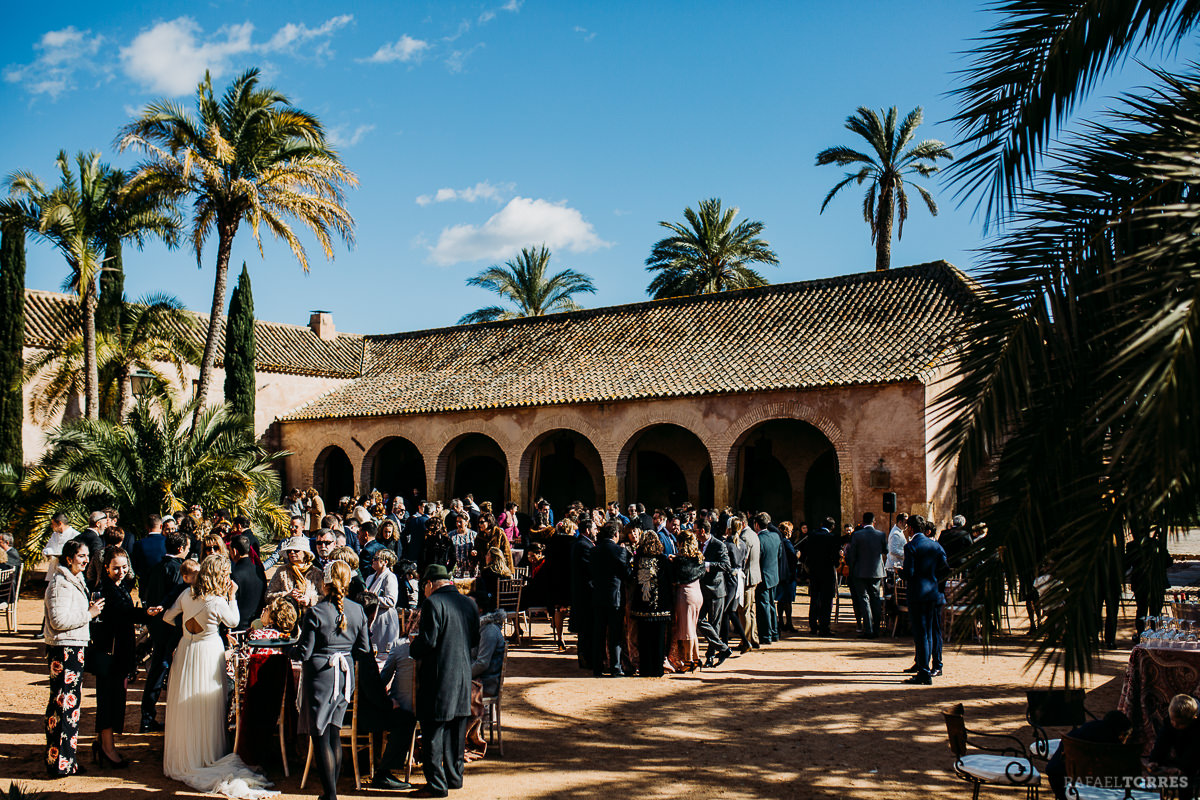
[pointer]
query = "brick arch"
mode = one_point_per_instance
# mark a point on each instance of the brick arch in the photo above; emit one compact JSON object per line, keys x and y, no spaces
{"x":737,"y":432}
{"x":367,"y":466}
{"x":689,"y":420}
{"x":525,"y":465}
{"x":456,"y":435}
{"x":318,"y":471}
{"x":566,"y":422}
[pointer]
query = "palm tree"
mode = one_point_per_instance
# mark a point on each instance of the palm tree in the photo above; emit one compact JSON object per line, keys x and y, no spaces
{"x":157,"y":462}
{"x":82,"y":216}
{"x":1080,"y":375}
{"x":156,"y":330}
{"x":709,"y":254}
{"x":886,"y":202}
{"x":1033,"y":68}
{"x":251,"y":158}
{"x":523,"y":282}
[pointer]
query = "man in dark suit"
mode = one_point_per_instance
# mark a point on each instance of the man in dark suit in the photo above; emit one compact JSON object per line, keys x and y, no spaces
{"x":957,"y":542}
{"x":582,"y":596}
{"x":442,"y":647}
{"x":12,"y":557}
{"x":610,"y":568}
{"x":162,"y":587}
{"x":717,"y":568}
{"x":148,"y":551}
{"x":864,"y":557}
{"x":249,"y":580}
{"x":924,"y":565}
{"x":821,"y":552}
{"x":93,"y":536}
{"x":770,"y":547}
{"x":413,"y":534}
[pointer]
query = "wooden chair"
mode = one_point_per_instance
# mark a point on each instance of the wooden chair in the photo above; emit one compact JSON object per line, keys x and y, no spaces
{"x":349,"y":737}
{"x":1052,"y":708}
{"x":281,"y":728}
{"x":508,"y":597}
{"x":1001,"y":763}
{"x":522,"y":573}
{"x":1103,"y":771}
{"x":10,"y":593}
{"x":901,"y":595}
{"x":491,"y":710}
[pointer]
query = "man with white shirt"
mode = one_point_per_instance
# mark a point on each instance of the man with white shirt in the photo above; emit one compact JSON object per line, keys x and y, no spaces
{"x":61,"y":532}
{"x":895,"y":544}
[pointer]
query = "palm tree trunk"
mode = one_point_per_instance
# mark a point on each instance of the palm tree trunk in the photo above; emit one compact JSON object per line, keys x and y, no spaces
{"x":91,"y":372}
{"x":883,"y":228}
{"x":124,"y":392}
{"x":225,"y":232}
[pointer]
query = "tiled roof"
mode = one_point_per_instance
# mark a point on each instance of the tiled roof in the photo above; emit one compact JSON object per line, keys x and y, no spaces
{"x":51,"y":317}
{"x":870,"y":328}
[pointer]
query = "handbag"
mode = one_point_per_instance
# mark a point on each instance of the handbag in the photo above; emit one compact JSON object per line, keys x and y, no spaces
{"x":99,"y":663}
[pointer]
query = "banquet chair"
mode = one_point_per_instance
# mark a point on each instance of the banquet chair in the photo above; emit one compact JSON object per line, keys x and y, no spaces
{"x":491,"y":710}
{"x":10,"y":593}
{"x":1001,"y":763}
{"x":1103,"y":771}
{"x":508,"y":597}
{"x":281,"y":729}
{"x":349,"y":737}
{"x":1052,"y":708}
{"x":901,"y":595}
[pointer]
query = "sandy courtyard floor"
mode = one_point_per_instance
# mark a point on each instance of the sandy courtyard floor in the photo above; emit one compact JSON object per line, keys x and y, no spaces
{"x":804,"y":718}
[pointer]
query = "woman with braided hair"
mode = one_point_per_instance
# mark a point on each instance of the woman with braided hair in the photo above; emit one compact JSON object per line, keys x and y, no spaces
{"x":333,"y":637}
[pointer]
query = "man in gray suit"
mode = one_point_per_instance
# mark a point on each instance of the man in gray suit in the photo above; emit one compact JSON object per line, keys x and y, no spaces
{"x":747,"y":612}
{"x":864,"y":557}
{"x":770,"y":546}
{"x":712,"y":587}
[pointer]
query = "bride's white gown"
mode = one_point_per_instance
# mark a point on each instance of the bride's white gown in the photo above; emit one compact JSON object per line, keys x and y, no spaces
{"x":196,"y":703}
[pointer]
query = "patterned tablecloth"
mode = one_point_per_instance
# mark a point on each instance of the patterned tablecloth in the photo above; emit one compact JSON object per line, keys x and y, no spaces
{"x":1153,"y":677}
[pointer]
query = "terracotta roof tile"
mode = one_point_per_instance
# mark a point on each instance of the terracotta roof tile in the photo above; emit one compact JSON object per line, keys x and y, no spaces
{"x":51,"y":317}
{"x":876,"y":327}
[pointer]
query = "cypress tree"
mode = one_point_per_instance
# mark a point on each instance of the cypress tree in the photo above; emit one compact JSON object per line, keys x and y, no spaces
{"x":112,"y":290}
{"x":12,"y":343}
{"x":239,"y":347}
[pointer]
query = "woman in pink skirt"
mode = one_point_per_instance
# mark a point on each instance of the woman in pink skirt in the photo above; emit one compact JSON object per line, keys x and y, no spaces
{"x":687,"y":569}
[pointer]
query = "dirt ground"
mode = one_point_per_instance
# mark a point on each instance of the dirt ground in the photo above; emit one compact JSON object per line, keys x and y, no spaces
{"x":804,"y":718}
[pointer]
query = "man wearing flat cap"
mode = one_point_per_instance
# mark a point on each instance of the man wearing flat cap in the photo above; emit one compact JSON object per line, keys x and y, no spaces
{"x":442,"y":647}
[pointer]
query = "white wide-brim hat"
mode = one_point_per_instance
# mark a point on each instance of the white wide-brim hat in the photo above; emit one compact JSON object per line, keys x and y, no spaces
{"x":296,"y":543}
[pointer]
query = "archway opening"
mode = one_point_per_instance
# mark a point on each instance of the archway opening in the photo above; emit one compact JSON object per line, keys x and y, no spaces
{"x":789,"y":469}
{"x":398,"y":469}
{"x":665,"y":466}
{"x":564,"y":467}
{"x":476,"y":465}
{"x":333,"y":475}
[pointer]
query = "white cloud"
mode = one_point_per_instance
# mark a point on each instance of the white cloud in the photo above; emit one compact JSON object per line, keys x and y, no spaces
{"x":512,"y":5}
{"x":171,"y":57}
{"x":585,"y":33}
{"x":523,"y":222}
{"x":486,"y":17}
{"x":483,"y":190}
{"x":60,"y":55}
{"x":339,"y":138}
{"x":456,"y":61}
{"x":404,"y":49}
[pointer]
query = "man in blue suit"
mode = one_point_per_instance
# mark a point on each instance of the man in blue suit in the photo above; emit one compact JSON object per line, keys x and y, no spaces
{"x":770,"y":546}
{"x":924,"y":564}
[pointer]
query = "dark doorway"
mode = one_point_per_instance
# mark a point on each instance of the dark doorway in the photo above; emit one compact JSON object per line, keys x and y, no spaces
{"x":766,"y":486}
{"x":336,"y":475}
{"x":483,"y":477}
{"x":823,"y":490}
{"x":561,"y":477}
{"x":661,"y":457}
{"x":398,"y":469}
{"x":660,"y":481}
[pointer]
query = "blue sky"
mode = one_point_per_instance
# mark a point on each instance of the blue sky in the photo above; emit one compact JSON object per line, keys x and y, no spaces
{"x":476,"y":128}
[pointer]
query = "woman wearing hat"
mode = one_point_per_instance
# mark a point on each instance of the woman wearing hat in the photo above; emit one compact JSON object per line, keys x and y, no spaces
{"x":297,"y":577}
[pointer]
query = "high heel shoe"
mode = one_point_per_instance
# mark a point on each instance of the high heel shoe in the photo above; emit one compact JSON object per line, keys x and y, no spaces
{"x":101,"y":758}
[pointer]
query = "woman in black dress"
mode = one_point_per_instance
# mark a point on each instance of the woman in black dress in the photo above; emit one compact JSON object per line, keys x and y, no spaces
{"x":558,"y":581}
{"x":112,"y":652}
{"x":333,"y":637}
{"x":651,"y":603}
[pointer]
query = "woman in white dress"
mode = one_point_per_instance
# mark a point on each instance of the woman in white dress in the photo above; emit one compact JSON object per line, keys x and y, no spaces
{"x":195,"y":749}
{"x":385,"y":629}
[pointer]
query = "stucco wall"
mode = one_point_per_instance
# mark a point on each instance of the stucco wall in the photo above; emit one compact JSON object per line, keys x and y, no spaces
{"x":863,"y":424}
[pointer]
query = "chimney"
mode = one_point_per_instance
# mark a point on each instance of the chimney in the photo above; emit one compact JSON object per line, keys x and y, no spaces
{"x":321,"y":323}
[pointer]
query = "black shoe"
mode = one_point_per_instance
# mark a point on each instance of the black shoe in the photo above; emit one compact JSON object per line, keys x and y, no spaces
{"x":425,"y":791}
{"x":385,"y":780}
{"x":913,"y":668}
{"x":937,"y":673}
{"x":919,"y":680}
{"x":616,"y":673}
{"x":152,"y":726}
{"x":721,"y":657}
{"x":756,"y":645}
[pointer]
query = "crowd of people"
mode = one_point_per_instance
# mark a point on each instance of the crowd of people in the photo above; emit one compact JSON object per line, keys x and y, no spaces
{"x":373,"y":595}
